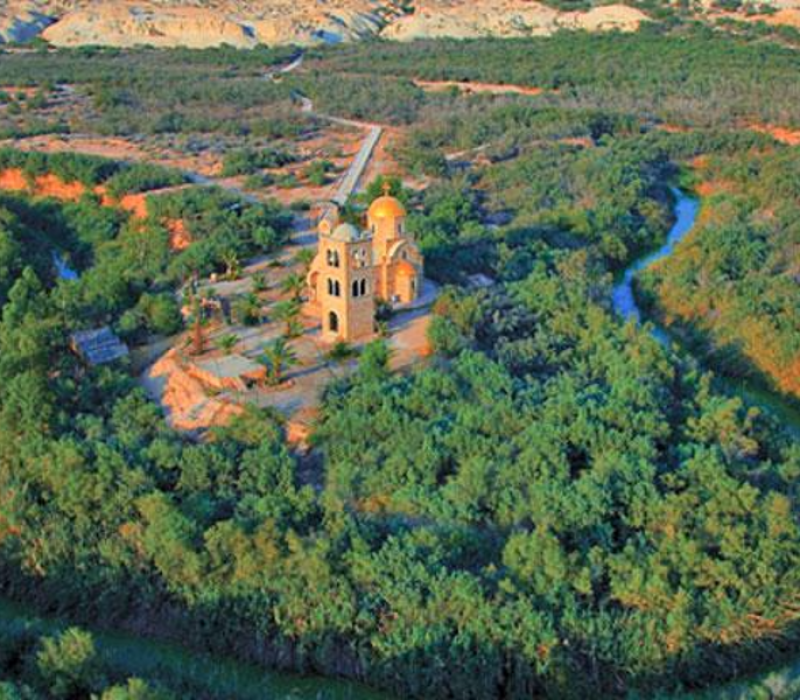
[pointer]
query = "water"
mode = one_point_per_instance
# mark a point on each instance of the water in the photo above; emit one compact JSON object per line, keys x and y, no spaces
{"x":624,"y":301}
{"x":176,"y":665}
{"x":686,"y":210}
{"x":65,"y":272}
{"x":782,"y":682}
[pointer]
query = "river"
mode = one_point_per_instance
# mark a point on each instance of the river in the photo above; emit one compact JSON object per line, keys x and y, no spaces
{"x":624,"y":300}
{"x":784,"y":681}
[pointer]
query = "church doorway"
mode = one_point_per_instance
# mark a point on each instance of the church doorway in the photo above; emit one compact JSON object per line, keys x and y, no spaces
{"x":333,"y":322}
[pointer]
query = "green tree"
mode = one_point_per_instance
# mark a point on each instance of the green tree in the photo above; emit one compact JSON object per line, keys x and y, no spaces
{"x":277,"y":357}
{"x":373,"y":363}
{"x":294,"y":284}
{"x":288,"y":312}
{"x":67,"y":663}
{"x":228,"y":342}
{"x":135,"y":689}
{"x":305,"y":258}
{"x":247,"y":309}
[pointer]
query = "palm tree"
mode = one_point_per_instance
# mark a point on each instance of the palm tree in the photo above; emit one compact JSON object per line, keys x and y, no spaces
{"x":233,"y":268}
{"x":260,"y":283}
{"x":228,"y":342}
{"x":277,"y":357}
{"x":247,"y":309}
{"x":287,"y":312}
{"x":305,"y":258}
{"x":294,"y":284}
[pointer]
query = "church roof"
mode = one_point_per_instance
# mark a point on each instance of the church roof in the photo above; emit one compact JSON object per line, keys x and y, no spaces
{"x":387,"y":207}
{"x":346,"y":233}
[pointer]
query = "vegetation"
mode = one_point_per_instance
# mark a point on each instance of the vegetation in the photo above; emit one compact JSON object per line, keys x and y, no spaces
{"x":685,"y":75}
{"x":733,"y":284}
{"x":223,"y":230}
{"x":64,"y":665}
{"x":153,"y":91}
{"x":277,"y":357}
{"x":556,"y":505}
{"x":250,"y":162}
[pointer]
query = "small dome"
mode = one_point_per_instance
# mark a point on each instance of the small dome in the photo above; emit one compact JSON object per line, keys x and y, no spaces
{"x":387,"y":207}
{"x":346,"y":233}
{"x":406,"y":269}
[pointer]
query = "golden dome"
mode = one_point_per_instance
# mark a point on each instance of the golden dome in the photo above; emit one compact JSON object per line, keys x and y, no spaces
{"x":387,"y":207}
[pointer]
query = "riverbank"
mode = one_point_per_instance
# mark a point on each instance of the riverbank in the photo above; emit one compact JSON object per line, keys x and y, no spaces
{"x":177,"y":667}
{"x":627,"y":303}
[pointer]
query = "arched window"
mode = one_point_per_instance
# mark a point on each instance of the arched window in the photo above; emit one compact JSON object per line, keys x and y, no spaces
{"x":363,"y":287}
{"x":330,"y":287}
{"x":333,"y":258}
{"x":360,"y":257}
{"x":404,"y":255}
{"x":333,"y":322}
{"x":337,"y":289}
{"x":355,"y":288}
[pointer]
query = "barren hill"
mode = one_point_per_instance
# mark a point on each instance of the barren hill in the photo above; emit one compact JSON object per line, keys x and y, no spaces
{"x":246,"y":23}
{"x":201,"y":23}
{"x":197,"y":23}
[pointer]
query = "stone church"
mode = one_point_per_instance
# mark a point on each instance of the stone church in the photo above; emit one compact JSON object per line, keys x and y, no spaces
{"x":356,"y":267}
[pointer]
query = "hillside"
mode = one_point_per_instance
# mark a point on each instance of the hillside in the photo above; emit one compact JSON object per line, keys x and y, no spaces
{"x":246,"y":24}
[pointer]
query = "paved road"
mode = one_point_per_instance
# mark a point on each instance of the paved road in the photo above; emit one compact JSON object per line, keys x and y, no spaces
{"x":352,"y":177}
{"x":355,"y":172}
{"x":349,"y":182}
{"x":288,"y":68}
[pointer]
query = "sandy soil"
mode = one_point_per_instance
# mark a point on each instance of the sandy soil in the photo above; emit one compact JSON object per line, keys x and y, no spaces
{"x":14,"y":90}
{"x":791,"y":137}
{"x":479,"y":18}
{"x":469,"y":88}
{"x":179,"y":236}
{"x":186,"y":403}
{"x":712,"y":187}
{"x":13,"y":181}
{"x":205,"y":163}
{"x":44,"y":186}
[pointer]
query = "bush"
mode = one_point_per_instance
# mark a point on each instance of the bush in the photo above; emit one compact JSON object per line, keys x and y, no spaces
{"x":143,"y":177}
{"x":258,"y":181}
{"x":341,"y":351}
{"x":67,"y":663}
{"x":249,"y":162}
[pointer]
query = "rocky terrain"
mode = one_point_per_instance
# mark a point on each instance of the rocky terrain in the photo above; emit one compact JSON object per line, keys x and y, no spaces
{"x":204,"y":23}
{"x":245,"y":24}
{"x":195,"y":24}
{"x":22,"y":22}
{"x":478,"y":18}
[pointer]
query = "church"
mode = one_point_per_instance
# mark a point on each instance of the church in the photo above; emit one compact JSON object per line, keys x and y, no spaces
{"x":355,"y":268}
